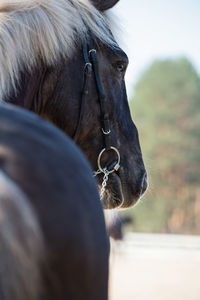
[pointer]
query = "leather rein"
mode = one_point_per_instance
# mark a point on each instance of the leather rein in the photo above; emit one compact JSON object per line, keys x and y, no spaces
{"x":91,"y":67}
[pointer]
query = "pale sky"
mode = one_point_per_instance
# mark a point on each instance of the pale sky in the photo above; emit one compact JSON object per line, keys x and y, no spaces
{"x":154,"y":29}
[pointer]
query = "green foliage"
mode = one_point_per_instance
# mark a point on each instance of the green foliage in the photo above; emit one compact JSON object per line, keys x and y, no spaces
{"x":166,"y":110}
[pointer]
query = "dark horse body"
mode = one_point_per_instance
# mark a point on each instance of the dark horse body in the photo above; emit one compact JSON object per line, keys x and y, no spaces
{"x":53,"y":87}
{"x":53,"y":243}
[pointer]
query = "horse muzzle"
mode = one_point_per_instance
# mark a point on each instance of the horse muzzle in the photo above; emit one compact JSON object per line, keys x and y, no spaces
{"x":120,"y":193}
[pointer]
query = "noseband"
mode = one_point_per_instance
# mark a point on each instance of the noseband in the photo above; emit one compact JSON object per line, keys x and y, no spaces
{"x":91,"y":66}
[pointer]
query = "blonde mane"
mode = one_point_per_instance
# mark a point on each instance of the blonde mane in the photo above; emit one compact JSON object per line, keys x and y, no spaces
{"x":34,"y":31}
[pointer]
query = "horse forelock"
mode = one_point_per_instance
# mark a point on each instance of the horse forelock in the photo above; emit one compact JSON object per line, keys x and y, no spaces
{"x":35,"y":31}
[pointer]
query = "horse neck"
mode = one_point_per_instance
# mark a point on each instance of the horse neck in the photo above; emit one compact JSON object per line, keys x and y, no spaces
{"x":29,"y":90}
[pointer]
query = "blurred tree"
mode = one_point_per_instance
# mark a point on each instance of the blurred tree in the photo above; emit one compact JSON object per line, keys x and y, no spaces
{"x":166,"y":109}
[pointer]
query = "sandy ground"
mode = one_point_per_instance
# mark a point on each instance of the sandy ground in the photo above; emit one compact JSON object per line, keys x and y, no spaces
{"x":155,"y":267}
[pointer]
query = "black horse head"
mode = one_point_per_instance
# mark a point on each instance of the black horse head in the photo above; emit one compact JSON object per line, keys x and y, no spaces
{"x":55,"y":91}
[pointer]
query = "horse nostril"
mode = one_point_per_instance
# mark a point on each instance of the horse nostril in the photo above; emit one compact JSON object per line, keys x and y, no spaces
{"x":144,"y":184}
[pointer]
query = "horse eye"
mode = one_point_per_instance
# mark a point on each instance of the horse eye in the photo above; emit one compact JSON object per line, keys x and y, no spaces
{"x":120,"y":67}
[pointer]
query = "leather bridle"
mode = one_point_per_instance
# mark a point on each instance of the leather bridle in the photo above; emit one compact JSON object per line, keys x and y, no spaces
{"x":91,"y":67}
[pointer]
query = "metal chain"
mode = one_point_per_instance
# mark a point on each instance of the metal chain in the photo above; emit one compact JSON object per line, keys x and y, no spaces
{"x":104,"y":183}
{"x":105,"y":171}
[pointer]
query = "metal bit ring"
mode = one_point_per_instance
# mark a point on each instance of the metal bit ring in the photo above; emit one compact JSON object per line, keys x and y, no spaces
{"x":116,"y":166}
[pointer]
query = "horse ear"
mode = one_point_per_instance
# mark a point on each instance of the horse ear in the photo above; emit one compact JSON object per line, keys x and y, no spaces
{"x":104,"y":4}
